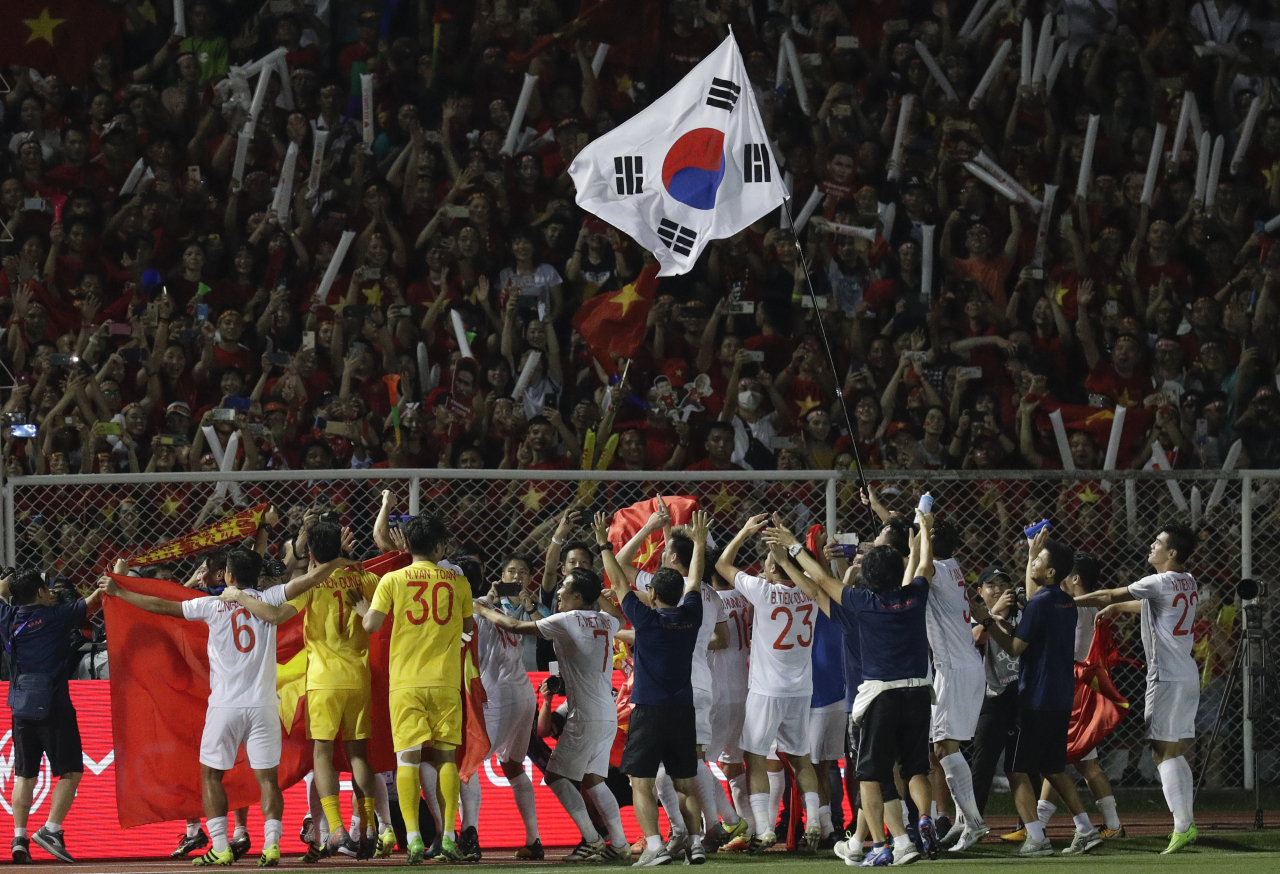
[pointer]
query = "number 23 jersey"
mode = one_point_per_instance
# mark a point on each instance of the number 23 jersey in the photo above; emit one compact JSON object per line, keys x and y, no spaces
{"x":426,"y":604}
{"x":781,"y":637}
{"x":242,"y":649}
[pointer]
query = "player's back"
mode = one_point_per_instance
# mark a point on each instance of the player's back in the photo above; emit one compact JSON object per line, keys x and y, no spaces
{"x":584,"y":650}
{"x":782,"y":633}
{"x":1169,"y":602}
{"x":337,"y":644}
{"x":730,"y":666}
{"x":502,"y":670}
{"x":242,"y":649}
{"x":427,"y":605}
{"x":947,"y":617}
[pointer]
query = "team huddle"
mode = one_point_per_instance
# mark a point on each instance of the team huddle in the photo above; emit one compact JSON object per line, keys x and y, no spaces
{"x":781,"y":650}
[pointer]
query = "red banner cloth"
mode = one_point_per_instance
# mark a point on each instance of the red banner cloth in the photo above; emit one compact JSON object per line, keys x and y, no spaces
{"x":1098,"y":707}
{"x":629,"y":520}
{"x":59,"y":37}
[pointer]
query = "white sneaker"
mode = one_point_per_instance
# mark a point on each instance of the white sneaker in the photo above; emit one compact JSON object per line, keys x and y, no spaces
{"x":955,"y":833}
{"x":1083,"y":843}
{"x":812,"y":837}
{"x":970,"y":837}
{"x":911,"y":855}
{"x":653,"y":858}
{"x":846,"y":849}
{"x":1032,"y":847}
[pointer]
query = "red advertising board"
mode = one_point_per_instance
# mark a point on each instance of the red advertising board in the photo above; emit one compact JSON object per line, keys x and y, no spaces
{"x":93,"y":831}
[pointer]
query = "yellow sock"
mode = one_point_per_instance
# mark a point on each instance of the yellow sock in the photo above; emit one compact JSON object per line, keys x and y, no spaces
{"x":450,"y":786}
{"x":370,"y":815}
{"x":332,"y":812}
{"x":409,"y":790}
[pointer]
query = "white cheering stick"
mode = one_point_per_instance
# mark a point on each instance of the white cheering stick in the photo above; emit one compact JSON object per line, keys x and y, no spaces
{"x":460,"y":334}
{"x":517,"y":115}
{"x":1203,"y":154}
{"x":988,"y":77}
{"x":900,"y":137}
{"x":992,"y":180}
{"x":179,"y":17}
{"x":286,"y":84}
{"x":135,"y":176}
{"x":1180,"y":132}
{"x":1197,"y":126}
{"x":985,"y":160}
{"x":1044,"y":50}
{"x":1060,"y":435}
{"x":366,"y":109}
{"x":1028,"y":53}
{"x":1042,"y":230}
{"x":851,"y":230}
{"x":1272,"y":224}
{"x":1220,"y":487}
{"x":597,"y":62}
{"x":1153,"y":164}
{"x":260,"y":92}
{"x":242,"y":151}
{"x":1113,"y":445}
{"x":1055,"y":67}
{"x":806,"y":211}
{"x":335,"y":264}
{"x":318,"y":140}
{"x":926,"y":262}
{"x":1246,"y":135}
{"x":971,"y":19}
{"x":797,"y":77}
{"x":988,"y":19}
{"x":284,"y":190}
{"x":1086,"y":158}
{"x":253,"y":68}
{"x":1162,"y":463}
{"x":526,"y":375}
{"x":1215,"y":171}
{"x":939,"y":76}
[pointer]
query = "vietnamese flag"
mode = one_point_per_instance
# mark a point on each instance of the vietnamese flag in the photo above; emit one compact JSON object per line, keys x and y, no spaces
{"x":629,"y":520}
{"x":615,"y":323}
{"x":59,"y":37}
{"x":1098,"y":706}
{"x":608,"y":21}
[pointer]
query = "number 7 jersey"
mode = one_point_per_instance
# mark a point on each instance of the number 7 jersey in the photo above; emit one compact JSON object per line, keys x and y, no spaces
{"x":426,"y":605}
{"x":781,"y":637}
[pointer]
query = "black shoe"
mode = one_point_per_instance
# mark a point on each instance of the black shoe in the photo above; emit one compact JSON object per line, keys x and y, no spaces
{"x":240,"y":846}
{"x":53,"y":844}
{"x":469,"y":844}
{"x":532,"y":851}
{"x":21,"y":851}
{"x":942,"y":825}
{"x":314,"y":854}
{"x":368,"y":845}
{"x":188,"y":844}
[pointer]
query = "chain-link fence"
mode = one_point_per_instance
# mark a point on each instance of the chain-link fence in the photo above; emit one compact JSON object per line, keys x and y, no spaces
{"x":74,"y":526}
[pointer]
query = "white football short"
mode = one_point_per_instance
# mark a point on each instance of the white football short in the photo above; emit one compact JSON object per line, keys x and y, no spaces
{"x":509,"y":725}
{"x":583,"y":748}
{"x":960,"y":692}
{"x":226,"y":728}
{"x":703,"y":705}
{"x":726,"y":732}
{"x":826,"y":732}
{"x":770,"y":719}
{"x":1171,"y":709}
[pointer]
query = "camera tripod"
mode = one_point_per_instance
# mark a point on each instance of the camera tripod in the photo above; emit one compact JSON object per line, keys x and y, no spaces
{"x":1255,"y":655}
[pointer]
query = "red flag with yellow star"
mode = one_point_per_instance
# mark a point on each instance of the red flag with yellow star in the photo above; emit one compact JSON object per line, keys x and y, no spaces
{"x":629,"y":520}
{"x":59,"y":37}
{"x":614,"y":323}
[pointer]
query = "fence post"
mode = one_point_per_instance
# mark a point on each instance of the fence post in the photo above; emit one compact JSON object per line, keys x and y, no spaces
{"x":832,"y":521}
{"x":1246,"y":570}
{"x":415,"y":486}
{"x":10,"y":543}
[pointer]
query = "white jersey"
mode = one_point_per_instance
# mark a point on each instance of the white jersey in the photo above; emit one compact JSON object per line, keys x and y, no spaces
{"x":1085,"y":617}
{"x":712,"y":612}
{"x":502,"y":670}
{"x":782,"y":631}
{"x":1168,"y":612}
{"x":731,"y":665}
{"x":584,"y":649}
{"x":242,"y":649}
{"x":947,"y":618}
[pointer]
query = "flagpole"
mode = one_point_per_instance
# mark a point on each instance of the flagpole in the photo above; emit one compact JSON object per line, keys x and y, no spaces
{"x":826,"y":345}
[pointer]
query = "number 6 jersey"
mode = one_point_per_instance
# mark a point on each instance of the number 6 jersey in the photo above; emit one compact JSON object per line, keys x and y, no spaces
{"x":1168,"y":613}
{"x":242,"y":649}
{"x":781,"y":635}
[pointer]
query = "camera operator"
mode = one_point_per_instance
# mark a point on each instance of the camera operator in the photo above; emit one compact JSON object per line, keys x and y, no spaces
{"x":36,"y":629}
{"x":998,"y":721}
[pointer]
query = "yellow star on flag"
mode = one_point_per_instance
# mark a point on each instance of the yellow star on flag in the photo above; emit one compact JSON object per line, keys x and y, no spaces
{"x":1088,"y":496}
{"x":1125,"y":400}
{"x":42,"y":27}
{"x":808,"y":403}
{"x":624,"y":83}
{"x":626,"y":297}
{"x":170,"y":505}
{"x":646,"y":552}
{"x":373,"y":294}
{"x":723,"y":499}
{"x":532,"y":499}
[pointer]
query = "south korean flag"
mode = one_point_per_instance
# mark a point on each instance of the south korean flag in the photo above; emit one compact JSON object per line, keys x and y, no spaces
{"x":693,"y":167}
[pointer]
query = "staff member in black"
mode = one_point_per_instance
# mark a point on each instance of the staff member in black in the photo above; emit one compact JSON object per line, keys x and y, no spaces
{"x":663,"y":727}
{"x":36,"y":633}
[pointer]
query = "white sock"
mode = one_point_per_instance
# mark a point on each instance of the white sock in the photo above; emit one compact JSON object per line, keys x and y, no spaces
{"x":711,"y":797}
{"x":381,"y":802}
{"x":1045,"y":811}
{"x":776,"y":784}
{"x":670,"y":801}
{"x":218,"y":833}
{"x":602,"y":795}
{"x":902,"y":844}
{"x":653,"y":842}
{"x":271,"y":831}
{"x":410,"y":837}
{"x":429,"y":777}
{"x":22,"y":832}
{"x":193,"y":828}
{"x":571,"y":801}
{"x":470,"y":797}
{"x":742,"y":801}
{"x":811,"y":808}
{"x":1188,"y":787}
{"x":1035,"y":830}
{"x":1107,"y":807}
{"x":824,"y":819}
{"x":240,"y":831}
{"x":1083,"y":826}
{"x":522,"y":789}
{"x":933,"y":810}
{"x":1176,"y":795}
{"x":760,"y":813}
{"x":960,"y":782}
{"x":354,"y":828}
{"x":695,"y":841}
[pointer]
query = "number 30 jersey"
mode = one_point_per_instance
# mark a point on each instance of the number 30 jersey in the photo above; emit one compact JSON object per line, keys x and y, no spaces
{"x":242,"y":650}
{"x":781,"y":635}
{"x":426,"y":604}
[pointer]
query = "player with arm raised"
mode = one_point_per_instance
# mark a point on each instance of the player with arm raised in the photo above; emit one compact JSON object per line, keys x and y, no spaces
{"x":430,"y":608}
{"x":243,"y":706}
{"x":1166,"y":602}
{"x":781,"y":684}
{"x":730,"y":667}
{"x":583,"y":637}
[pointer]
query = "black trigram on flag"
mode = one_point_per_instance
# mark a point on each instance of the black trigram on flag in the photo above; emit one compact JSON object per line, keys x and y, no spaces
{"x":630,"y":174}
{"x":723,"y":94}
{"x":755,"y":163}
{"x":678,"y":239}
